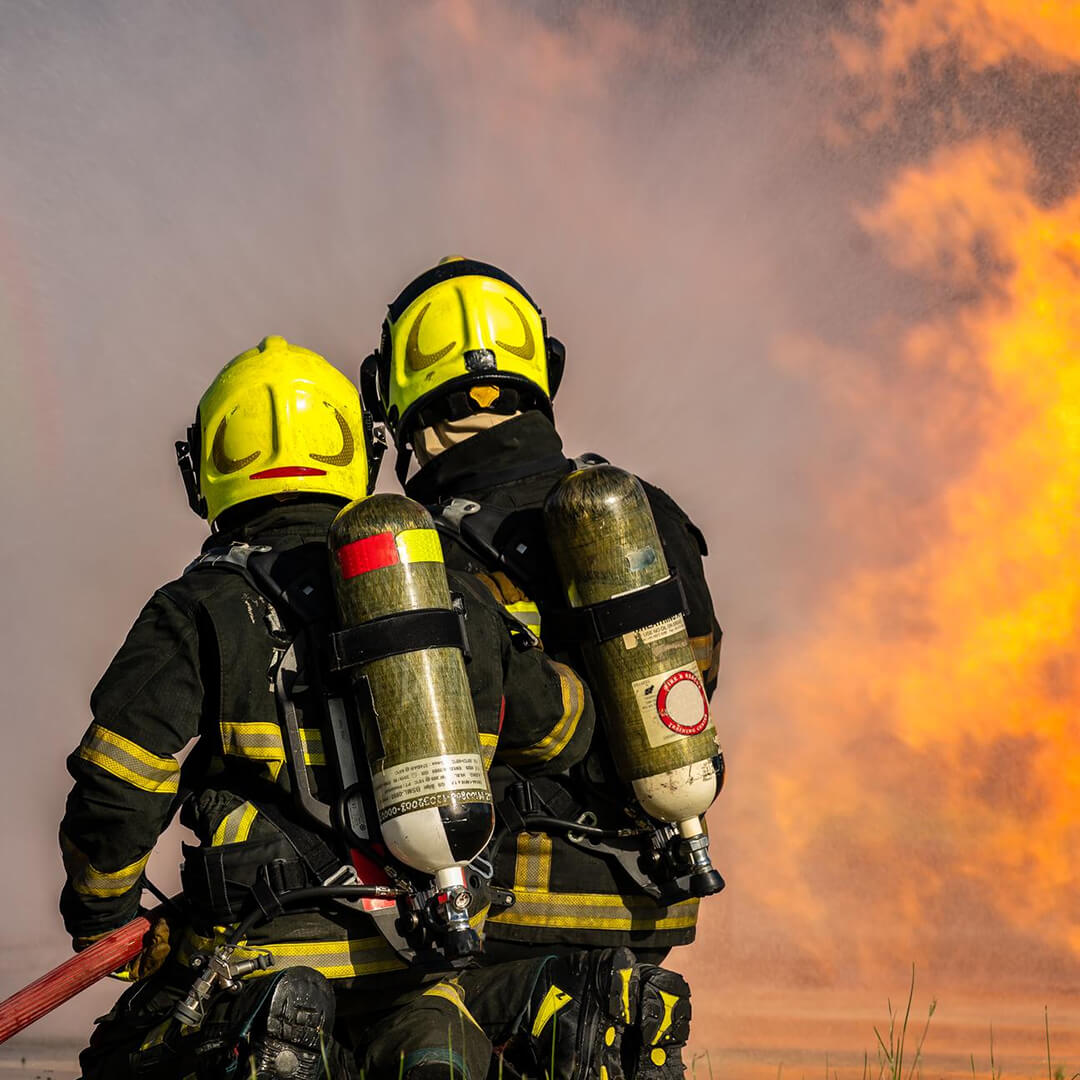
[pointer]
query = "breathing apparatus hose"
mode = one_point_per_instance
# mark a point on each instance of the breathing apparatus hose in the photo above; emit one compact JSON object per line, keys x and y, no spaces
{"x":310,"y":895}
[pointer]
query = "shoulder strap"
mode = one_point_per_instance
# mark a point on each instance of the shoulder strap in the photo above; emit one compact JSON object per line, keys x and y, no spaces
{"x":234,"y":557}
{"x":499,"y":538}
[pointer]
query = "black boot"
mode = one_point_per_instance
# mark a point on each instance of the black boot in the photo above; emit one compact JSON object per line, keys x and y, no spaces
{"x":663,"y":1025}
{"x":294,"y":1027}
{"x":581,"y":1007}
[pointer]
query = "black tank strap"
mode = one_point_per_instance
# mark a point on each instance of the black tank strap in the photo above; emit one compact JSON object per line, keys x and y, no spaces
{"x":402,"y":632}
{"x":596,"y":623}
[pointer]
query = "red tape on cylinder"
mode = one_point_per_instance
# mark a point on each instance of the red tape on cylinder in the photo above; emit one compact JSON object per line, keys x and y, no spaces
{"x":366,"y":554}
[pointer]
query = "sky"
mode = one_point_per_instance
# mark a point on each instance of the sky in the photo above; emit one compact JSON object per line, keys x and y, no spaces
{"x":815,"y":266}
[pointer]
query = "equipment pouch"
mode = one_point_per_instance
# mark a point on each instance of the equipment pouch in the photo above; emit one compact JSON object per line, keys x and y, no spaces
{"x":218,"y":881}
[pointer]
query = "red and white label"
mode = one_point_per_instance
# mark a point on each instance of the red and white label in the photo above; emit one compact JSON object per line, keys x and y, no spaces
{"x":672,"y":705}
{"x":681,"y":703}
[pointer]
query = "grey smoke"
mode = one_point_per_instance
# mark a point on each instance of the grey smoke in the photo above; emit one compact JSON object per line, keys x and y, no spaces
{"x":179,"y":179}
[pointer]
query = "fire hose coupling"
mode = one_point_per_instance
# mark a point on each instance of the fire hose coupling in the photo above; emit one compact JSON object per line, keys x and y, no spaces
{"x":217,"y":971}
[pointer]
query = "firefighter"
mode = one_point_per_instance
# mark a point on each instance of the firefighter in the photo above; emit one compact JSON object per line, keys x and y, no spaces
{"x":226,"y":661}
{"x":464,"y":378}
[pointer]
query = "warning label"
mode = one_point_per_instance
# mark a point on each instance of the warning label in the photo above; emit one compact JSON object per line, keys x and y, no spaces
{"x":657,"y":632}
{"x":672,"y":705}
{"x":428,"y":782}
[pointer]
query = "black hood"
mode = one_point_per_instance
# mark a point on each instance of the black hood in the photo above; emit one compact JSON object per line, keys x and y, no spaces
{"x":527,"y":445}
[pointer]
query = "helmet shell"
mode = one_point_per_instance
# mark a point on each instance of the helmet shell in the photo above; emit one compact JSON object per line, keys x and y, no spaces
{"x":461,"y":324}
{"x":280,"y":419}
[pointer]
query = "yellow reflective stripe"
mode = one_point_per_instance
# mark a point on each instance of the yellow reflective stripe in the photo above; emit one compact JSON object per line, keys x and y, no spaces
{"x":554,"y":742}
{"x":418,"y":545}
{"x":450,"y":991}
{"x":589,"y":911}
{"x":489,"y":742}
{"x":156,"y":1034}
{"x":334,"y":959}
{"x":311,"y":740}
{"x":235,"y":826}
{"x":707,"y":655}
{"x":129,"y":762}
{"x":88,"y":880}
{"x":532,"y":867}
{"x":526,"y":612}
{"x":713,"y":669}
{"x":261,"y":741}
{"x":703,"y":650}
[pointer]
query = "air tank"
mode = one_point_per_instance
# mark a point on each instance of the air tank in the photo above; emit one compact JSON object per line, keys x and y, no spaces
{"x":605,"y":544}
{"x":421,"y":741}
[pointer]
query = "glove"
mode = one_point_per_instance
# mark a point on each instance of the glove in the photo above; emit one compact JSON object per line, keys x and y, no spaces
{"x":155,"y":949}
{"x":501,"y":587}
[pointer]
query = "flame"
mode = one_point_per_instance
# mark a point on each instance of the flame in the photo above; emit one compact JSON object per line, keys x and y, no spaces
{"x":980,"y":33}
{"x":934,"y":751}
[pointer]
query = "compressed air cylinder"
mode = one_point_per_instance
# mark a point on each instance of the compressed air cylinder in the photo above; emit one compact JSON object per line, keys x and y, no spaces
{"x":430,"y":787}
{"x":605,"y":544}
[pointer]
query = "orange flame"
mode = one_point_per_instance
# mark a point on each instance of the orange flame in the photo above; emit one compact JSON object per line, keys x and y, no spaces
{"x":936,"y":700}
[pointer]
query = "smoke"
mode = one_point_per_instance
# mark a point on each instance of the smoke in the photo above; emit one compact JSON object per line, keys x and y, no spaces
{"x":812,"y":266}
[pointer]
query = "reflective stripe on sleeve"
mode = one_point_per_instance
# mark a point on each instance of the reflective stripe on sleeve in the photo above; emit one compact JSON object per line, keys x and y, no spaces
{"x":235,"y":826}
{"x":554,"y":742}
{"x":526,"y":613}
{"x":589,"y":911}
{"x":261,"y":741}
{"x":129,"y":762}
{"x":88,"y":880}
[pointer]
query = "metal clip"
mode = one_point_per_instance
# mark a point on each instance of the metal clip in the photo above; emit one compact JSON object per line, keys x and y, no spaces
{"x":343,"y":875}
{"x":482,"y":868}
{"x":586,"y":818}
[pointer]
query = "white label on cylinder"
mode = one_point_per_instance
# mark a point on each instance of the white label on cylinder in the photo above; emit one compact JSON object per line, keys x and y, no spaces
{"x":429,"y":782}
{"x":672,"y":705}
{"x":657,"y":632}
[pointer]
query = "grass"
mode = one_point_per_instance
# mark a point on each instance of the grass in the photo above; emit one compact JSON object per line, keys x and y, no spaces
{"x":897,"y":1059}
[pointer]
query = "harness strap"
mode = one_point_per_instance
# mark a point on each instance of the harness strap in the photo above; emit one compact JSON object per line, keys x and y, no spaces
{"x":596,"y":623}
{"x":318,"y":858}
{"x":401,"y":632}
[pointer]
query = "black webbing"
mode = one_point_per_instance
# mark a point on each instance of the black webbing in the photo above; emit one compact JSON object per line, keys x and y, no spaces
{"x":402,"y":632}
{"x":314,"y":852}
{"x":620,"y":615}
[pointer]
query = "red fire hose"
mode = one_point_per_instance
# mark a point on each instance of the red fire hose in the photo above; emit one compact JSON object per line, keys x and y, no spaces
{"x":71,"y":977}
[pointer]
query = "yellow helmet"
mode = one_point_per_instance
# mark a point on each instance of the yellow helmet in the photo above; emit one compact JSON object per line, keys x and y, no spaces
{"x":461,"y":338}
{"x":278,"y":419}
